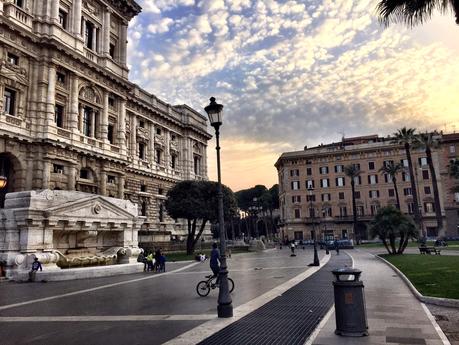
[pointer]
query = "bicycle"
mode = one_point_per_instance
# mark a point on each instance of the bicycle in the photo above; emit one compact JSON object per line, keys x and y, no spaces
{"x":204,"y":286}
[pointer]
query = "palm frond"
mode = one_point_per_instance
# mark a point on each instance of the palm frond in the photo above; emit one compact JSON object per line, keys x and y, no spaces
{"x":413,"y":12}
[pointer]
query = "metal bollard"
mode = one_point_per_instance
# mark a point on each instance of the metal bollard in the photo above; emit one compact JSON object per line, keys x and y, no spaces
{"x":351,"y":318}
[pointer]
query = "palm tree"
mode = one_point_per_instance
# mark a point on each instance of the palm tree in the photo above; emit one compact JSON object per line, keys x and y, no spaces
{"x":413,"y":12}
{"x":430,"y":141}
{"x":352,"y":171}
{"x":388,"y":224}
{"x":392,"y":169}
{"x":406,"y":137}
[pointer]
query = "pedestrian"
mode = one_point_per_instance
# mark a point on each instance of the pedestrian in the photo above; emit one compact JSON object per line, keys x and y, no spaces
{"x":143,"y":259}
{"x":36,"y":265}
{"x":292,"y":248}
{"x":336,"y":247}
{"x":150,"y":261}
{"x":162,"y":263}
{"x":157,"y":259}
{"x":215,"y":261}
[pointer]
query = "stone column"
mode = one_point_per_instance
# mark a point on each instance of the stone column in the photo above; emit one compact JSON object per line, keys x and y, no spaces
{"x":80,"y":120}
{"x":167,"y":150}
{"x":94,"y":39}
{"x":93,"y":124}
{"x":103,"y":183}
{"x":123,"y":43}
{"x":134,"y":136}
{"x":71,"y":177}
{"x":104,"y":119}
{"x":152,"y":143}
{"x":73,"y":113}
{"x":77,"y":18}
{"x":122,"y":125}
{"x":204,"y":162}
{"x":83,"y":30}
{"x":51,"y":95}
{"x":106,"y":33}
{"x":29,"y":175}
{"x":55,"y":11}
{"x":121,"y":187}
{"x":46,"y":174}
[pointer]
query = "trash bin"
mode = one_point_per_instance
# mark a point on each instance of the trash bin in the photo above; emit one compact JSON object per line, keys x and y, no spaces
{"x":351,"y":318}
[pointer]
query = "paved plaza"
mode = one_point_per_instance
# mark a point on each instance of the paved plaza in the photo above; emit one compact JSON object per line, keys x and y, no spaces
{"x":272,"y":288}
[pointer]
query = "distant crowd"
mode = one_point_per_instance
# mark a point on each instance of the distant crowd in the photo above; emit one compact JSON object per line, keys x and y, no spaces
{"x":153,"y":262}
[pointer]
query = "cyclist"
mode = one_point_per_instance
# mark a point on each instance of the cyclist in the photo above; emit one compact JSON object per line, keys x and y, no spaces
{"x":215,"y":262}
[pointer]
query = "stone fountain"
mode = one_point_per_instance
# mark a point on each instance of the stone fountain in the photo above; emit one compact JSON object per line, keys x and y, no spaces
{"x":68,"y":231}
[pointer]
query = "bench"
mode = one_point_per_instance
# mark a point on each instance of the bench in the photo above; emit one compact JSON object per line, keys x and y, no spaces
{"x":429,"y":250}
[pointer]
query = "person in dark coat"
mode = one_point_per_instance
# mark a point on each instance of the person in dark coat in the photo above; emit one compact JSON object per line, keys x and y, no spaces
{"x":36,"y":265}
{"x":215,"y":261}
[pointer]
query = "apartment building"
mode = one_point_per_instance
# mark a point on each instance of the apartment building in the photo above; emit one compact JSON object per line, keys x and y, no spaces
{"x":450,"y":153}
{"x":327,"y":209}
{"x":70,"y":119}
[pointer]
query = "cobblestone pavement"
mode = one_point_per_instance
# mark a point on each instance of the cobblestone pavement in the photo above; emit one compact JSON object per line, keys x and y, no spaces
{"x":448,"y":320}
{"x":395,"y":315}
{"x":289,"y":318}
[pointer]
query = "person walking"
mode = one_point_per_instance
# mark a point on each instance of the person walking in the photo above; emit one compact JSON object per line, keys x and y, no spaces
{"x":150,"y":262}
{"x":292,"y":248}
{"x":215,"y":262}
{"x":157,"y":259}
{"x":162,"y":263}
{"x":36,"y":265}
{"x":336,"y":247}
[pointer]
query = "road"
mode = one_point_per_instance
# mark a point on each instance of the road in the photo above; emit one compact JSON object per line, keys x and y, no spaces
{"x":142,"y":308}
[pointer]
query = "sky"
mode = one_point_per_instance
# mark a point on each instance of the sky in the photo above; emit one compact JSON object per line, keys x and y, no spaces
{"x":294,"y":73}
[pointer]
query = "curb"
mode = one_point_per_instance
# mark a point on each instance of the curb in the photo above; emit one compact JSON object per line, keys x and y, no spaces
{"x":445,"y":302}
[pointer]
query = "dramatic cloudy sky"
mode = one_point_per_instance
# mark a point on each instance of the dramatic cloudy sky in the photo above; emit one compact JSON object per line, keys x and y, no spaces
{"x":294,"y":73}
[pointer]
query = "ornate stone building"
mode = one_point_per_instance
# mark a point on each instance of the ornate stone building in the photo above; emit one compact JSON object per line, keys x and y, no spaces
{"x":328,"y":209}
{"x":71,"y":120}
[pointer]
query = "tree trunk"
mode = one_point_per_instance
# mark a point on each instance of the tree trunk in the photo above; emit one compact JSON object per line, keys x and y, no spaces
{"x":402,"y":241}
{"x":190,"y":239}
{"x":233,"y":234}
{"x":201,"y":230}
{"x":354,"y":211}
{"x":386,"y":245}
{"x":433,"y":175}
{"x":392,"y":244}
{"x":394,"y":181}
{"x":417,"y":216}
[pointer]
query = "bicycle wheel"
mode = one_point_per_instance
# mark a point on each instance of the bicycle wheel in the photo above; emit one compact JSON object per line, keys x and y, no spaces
{"x":230,"y":285}
{"x":203,"y":288}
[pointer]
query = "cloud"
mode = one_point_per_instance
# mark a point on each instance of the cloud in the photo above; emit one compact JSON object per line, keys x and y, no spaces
{"x":295,"y":72}
{"x":161,"y":26}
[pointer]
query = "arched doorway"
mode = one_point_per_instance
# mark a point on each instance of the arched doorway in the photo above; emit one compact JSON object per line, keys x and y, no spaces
{"x":9,"y":169}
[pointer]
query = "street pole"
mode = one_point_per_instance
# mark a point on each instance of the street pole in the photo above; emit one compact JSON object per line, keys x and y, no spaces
{"x":316,"y":261}
{"x":225,"y":307}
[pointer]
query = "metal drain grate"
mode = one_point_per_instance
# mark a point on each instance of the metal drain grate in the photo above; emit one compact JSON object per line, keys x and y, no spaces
{"x":287,"y":319}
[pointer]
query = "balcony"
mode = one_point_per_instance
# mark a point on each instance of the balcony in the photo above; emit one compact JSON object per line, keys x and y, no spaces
{"x":18,"y":15}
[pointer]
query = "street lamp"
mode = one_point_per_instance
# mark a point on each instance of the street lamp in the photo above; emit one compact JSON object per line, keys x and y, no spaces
{"x":225,"y":307}
{"x":316,"y":256}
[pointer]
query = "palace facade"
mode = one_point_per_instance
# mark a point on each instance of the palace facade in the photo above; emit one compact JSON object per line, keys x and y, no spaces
{"x":327,"y":208}
{"x":71,"y":120}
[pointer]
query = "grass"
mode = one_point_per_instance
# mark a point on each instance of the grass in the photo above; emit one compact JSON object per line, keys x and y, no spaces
{"x":452,"y":245}
{"x":432,"y":275}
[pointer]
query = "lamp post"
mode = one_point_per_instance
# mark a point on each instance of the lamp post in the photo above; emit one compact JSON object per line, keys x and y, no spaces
{"x":225,"y":307}
{"x":316,"y":256}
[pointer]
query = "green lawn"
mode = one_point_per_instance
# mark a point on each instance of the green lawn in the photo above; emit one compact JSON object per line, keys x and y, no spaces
{"x":432,"y":275}
{"x":452,"y":245}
